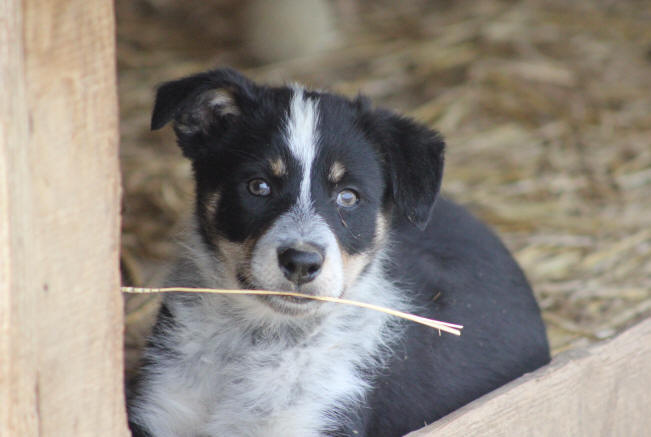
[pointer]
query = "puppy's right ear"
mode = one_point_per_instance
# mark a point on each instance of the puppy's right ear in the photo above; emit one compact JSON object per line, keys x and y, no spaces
{"x":202,"y":104}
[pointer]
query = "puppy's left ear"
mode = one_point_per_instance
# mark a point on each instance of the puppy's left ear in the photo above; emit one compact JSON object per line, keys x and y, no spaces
{"x":202,"y":99}
{"x":413,"y":156}
{"x":203,"y":106}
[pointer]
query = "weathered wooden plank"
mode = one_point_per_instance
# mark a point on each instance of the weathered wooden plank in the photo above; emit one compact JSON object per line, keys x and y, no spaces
{"x":60,"y":309}
{"x":602,"y":390}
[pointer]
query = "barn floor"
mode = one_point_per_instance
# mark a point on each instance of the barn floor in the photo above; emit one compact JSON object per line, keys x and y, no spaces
{"x":546,"y":107}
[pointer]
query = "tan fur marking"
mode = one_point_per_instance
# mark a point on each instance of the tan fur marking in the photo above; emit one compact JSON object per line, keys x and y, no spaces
{"x":236,"y":257}
{"x":353,"y":266}
{"x":278,"y":167}
{"x":337,"y":171}
{"x":224,"y":100}
{"x":211,"y":202}
{"x":237,"y":252}
{"x":209,"y":214}
{"x":381,"y":229}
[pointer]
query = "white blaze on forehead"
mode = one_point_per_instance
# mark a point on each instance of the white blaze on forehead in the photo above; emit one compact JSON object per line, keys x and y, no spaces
{"x":301,"y":135}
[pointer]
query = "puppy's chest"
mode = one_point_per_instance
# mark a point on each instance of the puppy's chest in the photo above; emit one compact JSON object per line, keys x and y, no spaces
{"x":260,"y":384}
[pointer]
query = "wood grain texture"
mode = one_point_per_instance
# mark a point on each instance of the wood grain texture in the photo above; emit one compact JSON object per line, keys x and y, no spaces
{"x":602,"y":390}
{"x":60,"y":308}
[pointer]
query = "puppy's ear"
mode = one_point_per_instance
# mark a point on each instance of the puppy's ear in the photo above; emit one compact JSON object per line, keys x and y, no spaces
{"x":413,"y":159}
{"x":202,"y":104}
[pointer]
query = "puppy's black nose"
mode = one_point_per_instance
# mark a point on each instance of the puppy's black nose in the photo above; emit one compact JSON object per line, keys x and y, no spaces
{"x":300,"y":266}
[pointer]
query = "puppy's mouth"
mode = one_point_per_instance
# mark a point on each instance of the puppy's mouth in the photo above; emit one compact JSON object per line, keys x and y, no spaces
{"x":272,"y":300}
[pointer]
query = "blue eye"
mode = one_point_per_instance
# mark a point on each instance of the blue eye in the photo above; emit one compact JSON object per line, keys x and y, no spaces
{"x":259,"y":187}
{"x":347,"y":198}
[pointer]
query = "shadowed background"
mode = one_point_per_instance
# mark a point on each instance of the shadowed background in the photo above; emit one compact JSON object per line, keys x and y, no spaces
{"x":545,"y":105}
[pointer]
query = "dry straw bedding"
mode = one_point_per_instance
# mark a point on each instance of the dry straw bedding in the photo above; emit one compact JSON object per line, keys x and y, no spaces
{"x":546,"y":108}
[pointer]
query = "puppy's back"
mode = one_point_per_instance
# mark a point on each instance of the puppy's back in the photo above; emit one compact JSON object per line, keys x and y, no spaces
{"x":458,"y":271}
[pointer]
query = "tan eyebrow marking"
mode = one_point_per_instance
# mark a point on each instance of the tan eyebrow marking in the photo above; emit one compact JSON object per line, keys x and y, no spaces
{"x":278,"y":167}
{"x":337,"y":171}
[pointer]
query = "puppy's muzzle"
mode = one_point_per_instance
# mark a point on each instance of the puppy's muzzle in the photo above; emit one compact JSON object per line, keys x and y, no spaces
{"x":300,"y":264}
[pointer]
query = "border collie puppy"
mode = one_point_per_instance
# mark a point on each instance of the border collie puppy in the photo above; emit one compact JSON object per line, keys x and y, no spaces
{"x":312,"y":192}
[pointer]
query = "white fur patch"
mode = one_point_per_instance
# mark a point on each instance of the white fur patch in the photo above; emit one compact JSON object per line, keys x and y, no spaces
{"x":302,"y":137}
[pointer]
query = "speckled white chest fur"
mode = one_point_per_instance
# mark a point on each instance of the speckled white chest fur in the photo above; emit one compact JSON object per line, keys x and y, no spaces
{"x":284,"y":377}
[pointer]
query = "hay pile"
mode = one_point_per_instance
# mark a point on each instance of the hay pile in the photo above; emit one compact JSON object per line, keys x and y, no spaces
{"x":546,"y":107}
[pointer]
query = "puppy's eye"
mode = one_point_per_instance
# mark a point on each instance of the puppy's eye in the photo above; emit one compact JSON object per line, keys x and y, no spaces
{"x":259,"y":187}
{"x":347,"y":198}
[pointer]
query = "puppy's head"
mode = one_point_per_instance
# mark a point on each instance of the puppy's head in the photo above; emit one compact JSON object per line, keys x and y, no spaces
{"x":296,"y":189}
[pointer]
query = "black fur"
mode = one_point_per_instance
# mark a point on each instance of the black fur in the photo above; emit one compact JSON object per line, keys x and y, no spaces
{"x":414,"y":162}
{"x":349,"y":145}
{"x":458,"y":270}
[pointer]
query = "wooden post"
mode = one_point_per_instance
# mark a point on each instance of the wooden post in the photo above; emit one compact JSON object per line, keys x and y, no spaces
{"x":60,"y":306}
{"x":602,"y":390}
